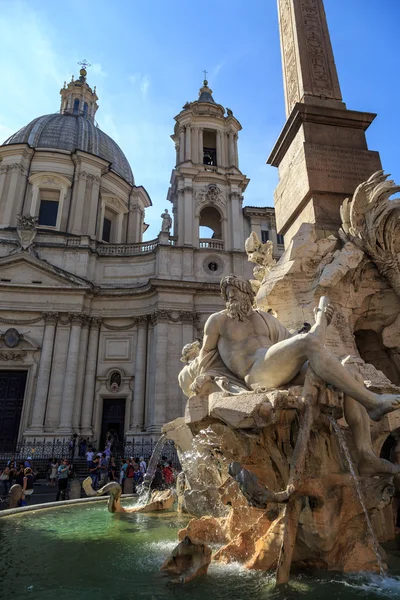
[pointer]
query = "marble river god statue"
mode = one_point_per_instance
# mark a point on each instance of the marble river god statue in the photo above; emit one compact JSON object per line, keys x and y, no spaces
{"x":266,"y":470}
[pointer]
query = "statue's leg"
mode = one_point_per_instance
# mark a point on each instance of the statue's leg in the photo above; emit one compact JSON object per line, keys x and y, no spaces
{"x":280,"y":363}
{"x":359,"y":423}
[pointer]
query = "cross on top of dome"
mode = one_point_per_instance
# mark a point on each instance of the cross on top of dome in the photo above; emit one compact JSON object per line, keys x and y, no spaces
{"x":84,"y":64}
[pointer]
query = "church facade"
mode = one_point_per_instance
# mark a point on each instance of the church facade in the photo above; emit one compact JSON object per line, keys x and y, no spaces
{"x":93,"y":318}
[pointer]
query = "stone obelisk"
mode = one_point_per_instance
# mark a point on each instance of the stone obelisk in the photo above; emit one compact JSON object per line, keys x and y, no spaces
{"x":321,"y":153}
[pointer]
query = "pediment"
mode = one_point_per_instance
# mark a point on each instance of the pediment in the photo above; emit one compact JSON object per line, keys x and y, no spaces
{"x":23,"y":269}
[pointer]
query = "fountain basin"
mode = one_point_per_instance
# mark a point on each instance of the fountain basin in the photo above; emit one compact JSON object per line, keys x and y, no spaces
{"x":80,"y":550}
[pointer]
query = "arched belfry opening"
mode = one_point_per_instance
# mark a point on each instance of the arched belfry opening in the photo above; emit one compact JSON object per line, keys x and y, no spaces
{"x":210,"y":224}
{"x":209,"y":148}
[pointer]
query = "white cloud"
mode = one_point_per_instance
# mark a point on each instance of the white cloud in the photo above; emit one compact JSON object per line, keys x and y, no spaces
{"x":140,"y":81}
{"x":144,"y":86}
{"x":97,"y":69}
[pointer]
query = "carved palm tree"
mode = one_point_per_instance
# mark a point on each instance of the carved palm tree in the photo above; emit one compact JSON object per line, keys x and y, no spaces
{"x":371,"y":221}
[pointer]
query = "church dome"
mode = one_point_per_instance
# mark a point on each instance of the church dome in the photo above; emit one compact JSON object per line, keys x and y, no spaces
{"x":73,"y":132}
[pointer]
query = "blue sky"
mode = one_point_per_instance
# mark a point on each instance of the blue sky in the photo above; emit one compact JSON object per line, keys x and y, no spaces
{"x":147,"y":61}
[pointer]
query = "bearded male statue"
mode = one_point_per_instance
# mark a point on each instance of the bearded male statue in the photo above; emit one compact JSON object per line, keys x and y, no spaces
{"x":259,"y":351}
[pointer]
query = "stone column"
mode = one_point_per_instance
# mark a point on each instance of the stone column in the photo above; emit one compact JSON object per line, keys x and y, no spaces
{"x":219,"y":149}
{"x":176,"y":153}
{"x":231,"y":149}
{"x":181,"y":144}
{"x":225,"y":150}
{"x":195,"y":144}
{"x":78,"y":200}
{"x":188,"y":207}
{"x":58,"y":369}
{"x":13,"y":199}
{"x":188,"y":148}
{"x":137,"y":410}
{"x":90,"y":379}
{"x":42,"y":384}
{"x":157,"y":412}
{"x":235,"y":143}
{"x":80,"y":380}
{"x":71,"y":372}
{"x":181,"y":216}
{"x":94,"y":205}
{"x":201,"y":150}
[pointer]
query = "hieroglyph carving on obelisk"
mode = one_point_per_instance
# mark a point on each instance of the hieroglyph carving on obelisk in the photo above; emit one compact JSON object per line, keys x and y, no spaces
{"x":308,"y":64}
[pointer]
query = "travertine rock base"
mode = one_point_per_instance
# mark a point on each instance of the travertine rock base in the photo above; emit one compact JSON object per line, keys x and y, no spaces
{"x":332,"y":532}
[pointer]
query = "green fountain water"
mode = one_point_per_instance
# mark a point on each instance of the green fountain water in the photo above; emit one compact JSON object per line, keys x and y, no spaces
{"x":83,"y":552}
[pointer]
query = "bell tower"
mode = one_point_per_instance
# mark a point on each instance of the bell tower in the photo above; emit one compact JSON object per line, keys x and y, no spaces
{"x":207,"y":185}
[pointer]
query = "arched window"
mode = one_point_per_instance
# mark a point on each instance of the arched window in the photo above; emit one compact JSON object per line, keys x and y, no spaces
{"x":76,"y":106}
{"x":85,"y":108}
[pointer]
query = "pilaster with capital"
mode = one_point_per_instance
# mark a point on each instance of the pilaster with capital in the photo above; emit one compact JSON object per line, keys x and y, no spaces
{"x":42,"y":384}
{"x":90,"y":379}
{"x":188,"y":145}
{"x":235,"y":143}
{"x":159,"y":368}
{"x":201,"y":145}
{"x":189,"y":214}
{"x":78,"y":199}
{"x":220,"y":162}
{"x":58,"y":368}
{"x":231,"y":146}
{"x":71,"y":372}
{"x":138,"y":402}
{"x":94,"y":203}
{"x":80,"y":380}
{"x":195,"y":145}
{"x":14,"y":199}
{"x":181,"y":144}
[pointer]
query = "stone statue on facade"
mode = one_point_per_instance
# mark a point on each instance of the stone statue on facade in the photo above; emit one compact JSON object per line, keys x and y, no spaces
{"x":166,"y":222}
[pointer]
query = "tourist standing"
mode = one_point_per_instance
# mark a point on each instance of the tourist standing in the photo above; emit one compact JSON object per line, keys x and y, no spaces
{"x":5,"y":478}
{"x":82,"y":447}
{"x":112,"y":470}
{"x":122,"y":474}
{"x":89,"y":457}
{"x":168,"y":474}
{"x":27,"y":486}
{"x":19,"y":478}
{"x":94,"y":471}
{"x":142,"y":465}
{"x":137,"y":475}
{"x":103,"y":469}
{"x":53,"y":472}
{"x":63,"y":472}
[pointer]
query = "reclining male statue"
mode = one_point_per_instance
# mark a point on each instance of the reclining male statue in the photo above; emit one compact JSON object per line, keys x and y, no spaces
{"x":259,"y":351}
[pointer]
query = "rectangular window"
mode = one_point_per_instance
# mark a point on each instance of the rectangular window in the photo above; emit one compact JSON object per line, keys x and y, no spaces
{"x":48,"y":211}
{"x":264,"y":235}
{"x":106,"y":230}
{"x":280,"y":239}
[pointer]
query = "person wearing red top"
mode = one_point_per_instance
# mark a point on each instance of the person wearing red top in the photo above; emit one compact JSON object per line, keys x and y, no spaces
{"x":168,"y":473}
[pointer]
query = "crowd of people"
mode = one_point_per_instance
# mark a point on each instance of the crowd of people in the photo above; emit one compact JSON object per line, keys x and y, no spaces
{"x":101,"y":467}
